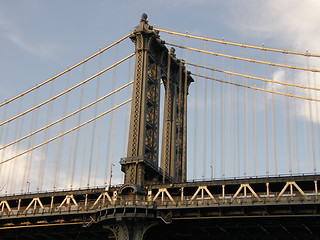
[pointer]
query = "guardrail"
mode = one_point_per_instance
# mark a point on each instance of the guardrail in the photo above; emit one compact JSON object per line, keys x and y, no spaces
{"x":70,"y":205}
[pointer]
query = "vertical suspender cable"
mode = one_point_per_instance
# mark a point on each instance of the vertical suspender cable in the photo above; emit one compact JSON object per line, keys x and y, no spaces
{"x":317,"y":113}
{"x":254,"y":130}
{"x":273,"y":118}
{"x":245,"y":119}
{"x":266,"y":121}
{"x":238,"y":132}
{"x":214,"y":125}
{"x":222,"y":124}
{"x":113,"y":127}
{"x":3,"y":118}
{"x":109,"y":160}
{"x":90,"y":146}
{"x":295,"y":148}
{"x":43,"y":163}
{"x":234,"y":124}
{"x":76,"y":153}
{"x":286,"y":127}
{"x":33,"y":123}
{"x":84,"y":155}
{"x":195,"y":139}
{"x":307,"y":113}
{"x":222,"y":133}
{"x":306,"y":140}
{"x":98,"y":149}
{"x":314,"y":166}
{"x":204,"y":127}
{"x":98,"y":144}
{"x":290,"y":132}
{"x":83,"y":144}
{"x":70,"y":150}
{"x":18,"y":129}
{"x":93,"y":131}
{"x":2,"y":140}
{"x":228,"y":130}
{"x":4,"y":135}
{"x":60,"y":146}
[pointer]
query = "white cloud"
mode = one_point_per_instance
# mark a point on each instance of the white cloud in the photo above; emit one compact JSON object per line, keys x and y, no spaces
{"x":278,"y":76}
{"x":17,"y":174}
{"x":309,"y":110}
{"x":303,"y":107}
{"x":293,"y":24}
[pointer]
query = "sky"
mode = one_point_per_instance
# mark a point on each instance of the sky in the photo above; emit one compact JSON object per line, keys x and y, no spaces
{"x":40,"y":38}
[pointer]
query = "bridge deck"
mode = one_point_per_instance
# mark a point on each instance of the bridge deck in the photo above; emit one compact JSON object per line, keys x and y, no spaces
{"x":265,"y":207}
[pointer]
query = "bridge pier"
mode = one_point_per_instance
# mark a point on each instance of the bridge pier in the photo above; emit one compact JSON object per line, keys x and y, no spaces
{"x":130,"y":229}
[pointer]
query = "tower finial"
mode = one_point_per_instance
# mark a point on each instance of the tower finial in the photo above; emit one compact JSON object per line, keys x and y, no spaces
{"x":144,"y":17}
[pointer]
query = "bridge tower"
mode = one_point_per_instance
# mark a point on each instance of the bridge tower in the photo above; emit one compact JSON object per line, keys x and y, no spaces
{"x":155,"y":63}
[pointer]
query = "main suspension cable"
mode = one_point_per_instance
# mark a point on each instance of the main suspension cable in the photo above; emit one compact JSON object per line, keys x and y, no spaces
{"x":258,"y":89}
{"x":65,"y":71}
{"x":253,"y":77}
{"x":236,"y":44}
{"x":65,"y":133}
{"x":68,"y":90}
{"x":243,"y":59}
{"x":67,"y":116}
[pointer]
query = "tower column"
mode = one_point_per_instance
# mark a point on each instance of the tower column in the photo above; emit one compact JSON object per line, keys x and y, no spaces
{"x":153,"y":64}
{"x":141,"y":164}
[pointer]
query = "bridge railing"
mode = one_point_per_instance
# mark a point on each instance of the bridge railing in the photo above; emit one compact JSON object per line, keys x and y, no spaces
{"x":71,"y":204}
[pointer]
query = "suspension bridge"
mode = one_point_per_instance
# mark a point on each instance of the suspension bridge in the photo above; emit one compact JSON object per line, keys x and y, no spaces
{"x":187,"y":138}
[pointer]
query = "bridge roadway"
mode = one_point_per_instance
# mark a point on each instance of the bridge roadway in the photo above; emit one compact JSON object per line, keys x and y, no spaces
{"x":251,"y":208}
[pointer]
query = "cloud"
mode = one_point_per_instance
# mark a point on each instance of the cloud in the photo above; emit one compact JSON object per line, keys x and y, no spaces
{"x":294,"y":25}
{"x":305,"y":109}
{"x":278,"y":76}
{"x":14,"y":174}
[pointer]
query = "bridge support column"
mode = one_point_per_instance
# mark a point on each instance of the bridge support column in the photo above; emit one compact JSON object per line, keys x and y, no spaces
{"x":155,"y":63}
{"x":141,"y":164}
{"x":130,"y":230}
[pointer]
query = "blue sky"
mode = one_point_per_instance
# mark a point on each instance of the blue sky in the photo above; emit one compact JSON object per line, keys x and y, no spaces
{"x":40,"y":38}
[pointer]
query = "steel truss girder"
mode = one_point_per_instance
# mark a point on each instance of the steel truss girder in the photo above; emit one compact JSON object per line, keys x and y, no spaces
{"x":261,"y":194}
